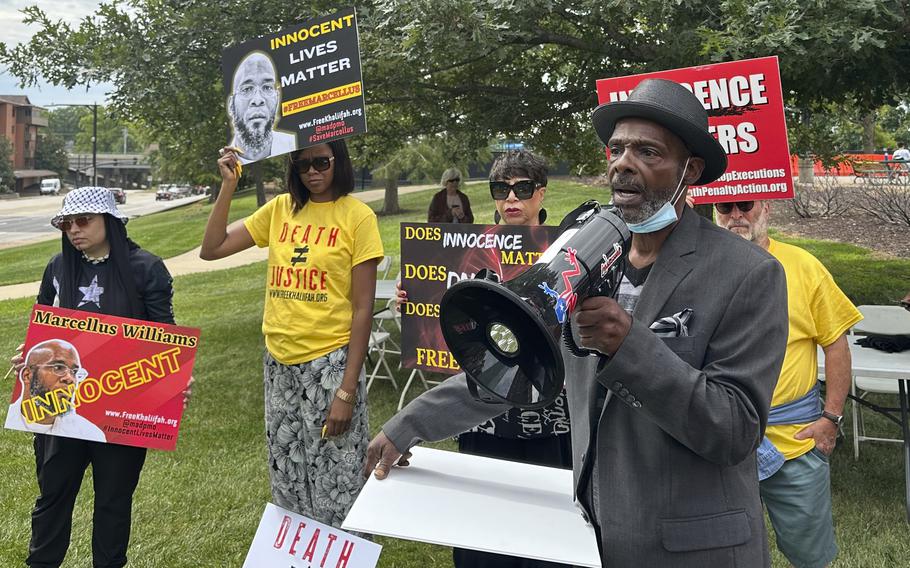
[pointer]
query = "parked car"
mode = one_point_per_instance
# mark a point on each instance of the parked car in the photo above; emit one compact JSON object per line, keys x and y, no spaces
{"x":50,"y":186}
{"x":179,"y":191}
{"x":119,"y":194}
{"x":163,"y":192}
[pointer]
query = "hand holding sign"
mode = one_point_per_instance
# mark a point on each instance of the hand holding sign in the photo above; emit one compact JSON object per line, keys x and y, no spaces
{"x":229,"y":167}
{"x":295,"y":88}
{"x":17,"y":361}
{"x":102,"y":378}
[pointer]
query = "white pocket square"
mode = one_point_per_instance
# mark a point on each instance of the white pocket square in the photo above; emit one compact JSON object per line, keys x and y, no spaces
{"x":676,"y":325}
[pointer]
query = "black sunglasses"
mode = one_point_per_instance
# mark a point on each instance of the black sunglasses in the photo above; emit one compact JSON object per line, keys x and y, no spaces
{"x":319,"y":163}
{"x":523,"y":189}
{"x":726,"y":208}
{"x":456,"y":180}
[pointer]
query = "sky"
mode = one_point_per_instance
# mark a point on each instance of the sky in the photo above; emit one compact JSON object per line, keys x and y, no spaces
{"x":13,"y":31}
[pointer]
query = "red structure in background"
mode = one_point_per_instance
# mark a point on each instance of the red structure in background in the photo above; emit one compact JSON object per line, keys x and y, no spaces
{"x":843,"y":168}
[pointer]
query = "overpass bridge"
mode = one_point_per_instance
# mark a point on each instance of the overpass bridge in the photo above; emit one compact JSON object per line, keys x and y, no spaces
{"x":114,"y":170}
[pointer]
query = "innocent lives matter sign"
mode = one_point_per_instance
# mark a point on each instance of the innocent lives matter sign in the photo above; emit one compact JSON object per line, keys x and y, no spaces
{"x":295,"y":88}
{"x":103,"y":378}
{"x":287,"y":539}
{"x":745,"y":108}
{"x":434,"y":256}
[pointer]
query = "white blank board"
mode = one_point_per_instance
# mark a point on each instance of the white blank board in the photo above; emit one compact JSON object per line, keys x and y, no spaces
{"x":479,"y":503}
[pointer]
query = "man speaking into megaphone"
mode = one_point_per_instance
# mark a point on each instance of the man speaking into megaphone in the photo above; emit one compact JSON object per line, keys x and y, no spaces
{"x":667,"y":416}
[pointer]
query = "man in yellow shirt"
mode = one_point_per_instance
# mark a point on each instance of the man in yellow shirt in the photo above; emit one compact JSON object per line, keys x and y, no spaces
{"x":793,"y":461}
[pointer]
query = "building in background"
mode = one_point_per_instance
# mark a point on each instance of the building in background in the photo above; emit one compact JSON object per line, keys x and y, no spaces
{"x":19,"y":123}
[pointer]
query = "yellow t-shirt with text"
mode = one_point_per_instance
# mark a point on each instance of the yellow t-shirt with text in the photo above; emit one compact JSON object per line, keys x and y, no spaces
{"x":308,"y":296}
{"x":819,"y":313}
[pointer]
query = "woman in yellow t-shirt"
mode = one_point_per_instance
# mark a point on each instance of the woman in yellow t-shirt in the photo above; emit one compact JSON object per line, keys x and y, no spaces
{"x":324,"y":246}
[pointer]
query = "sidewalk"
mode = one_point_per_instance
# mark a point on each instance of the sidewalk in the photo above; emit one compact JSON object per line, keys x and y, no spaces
{"x":189,"y":262}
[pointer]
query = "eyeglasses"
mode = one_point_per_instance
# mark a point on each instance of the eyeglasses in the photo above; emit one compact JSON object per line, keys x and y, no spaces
{"x":523,"y":189}
{"x":456,"y":180}
{"x":61,"y":370}
{"x":319,"y":163}
{"x":67,"y":224}
{"x":726,"y":208}
{"x":247,"y":91}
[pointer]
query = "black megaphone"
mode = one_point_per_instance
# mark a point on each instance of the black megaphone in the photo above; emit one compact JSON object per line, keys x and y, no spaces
{"x":506,"y":336}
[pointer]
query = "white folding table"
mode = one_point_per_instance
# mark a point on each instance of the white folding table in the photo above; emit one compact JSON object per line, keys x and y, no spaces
{"x":867,"y":362}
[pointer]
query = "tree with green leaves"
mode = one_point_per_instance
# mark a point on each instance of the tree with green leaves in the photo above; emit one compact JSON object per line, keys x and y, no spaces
{"x":422,"y":159}
{"x":833,"y":56}
{"x":113,"y":134}
{"x":7,"y":180}
{"x":65,"y":121}
{"x":50,"y":154}
{"x":471,"y":70}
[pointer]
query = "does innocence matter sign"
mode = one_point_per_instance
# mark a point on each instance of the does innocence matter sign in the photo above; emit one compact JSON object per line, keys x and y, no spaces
{"x":434,"y":256}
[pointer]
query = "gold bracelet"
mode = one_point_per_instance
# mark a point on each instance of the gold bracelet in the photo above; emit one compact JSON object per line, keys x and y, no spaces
{"x":345,"y":396}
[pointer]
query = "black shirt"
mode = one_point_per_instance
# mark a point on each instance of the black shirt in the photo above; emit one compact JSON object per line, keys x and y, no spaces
{"x":153,"y":283}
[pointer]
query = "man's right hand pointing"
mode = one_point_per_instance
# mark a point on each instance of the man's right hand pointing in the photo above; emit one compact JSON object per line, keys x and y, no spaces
{"x":382,"y":455}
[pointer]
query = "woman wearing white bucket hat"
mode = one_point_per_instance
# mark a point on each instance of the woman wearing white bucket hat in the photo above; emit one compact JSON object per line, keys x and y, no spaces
{"x":98,"y":270}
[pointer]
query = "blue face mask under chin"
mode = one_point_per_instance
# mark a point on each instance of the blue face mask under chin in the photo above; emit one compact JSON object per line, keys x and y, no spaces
{"x":666,"y":215}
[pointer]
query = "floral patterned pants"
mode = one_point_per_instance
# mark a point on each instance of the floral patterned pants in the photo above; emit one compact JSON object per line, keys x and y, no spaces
{"x":310,"y":475}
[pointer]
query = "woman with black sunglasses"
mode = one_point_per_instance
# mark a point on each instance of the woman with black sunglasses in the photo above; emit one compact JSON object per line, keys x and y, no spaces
{"x":324,"y":246}
{"x":518,"y":183}
{"x":450,"y":204}
{"x":98,"y":270}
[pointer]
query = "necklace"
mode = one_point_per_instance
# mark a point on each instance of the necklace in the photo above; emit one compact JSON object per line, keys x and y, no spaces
{"x":98,"y":260}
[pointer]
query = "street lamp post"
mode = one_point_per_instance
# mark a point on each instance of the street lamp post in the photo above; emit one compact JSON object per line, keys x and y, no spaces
{"x":95,"y":144}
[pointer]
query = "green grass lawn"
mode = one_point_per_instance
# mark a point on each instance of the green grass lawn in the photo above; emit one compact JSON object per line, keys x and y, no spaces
{"x":199,"y":505}
{"x":168,"y":234}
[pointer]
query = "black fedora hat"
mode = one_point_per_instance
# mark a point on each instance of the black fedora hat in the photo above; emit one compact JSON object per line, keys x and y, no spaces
{"x":672,"y":106}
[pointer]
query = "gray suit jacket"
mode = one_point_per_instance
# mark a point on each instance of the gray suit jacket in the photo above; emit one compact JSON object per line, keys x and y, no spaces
{"x":673,"y":452}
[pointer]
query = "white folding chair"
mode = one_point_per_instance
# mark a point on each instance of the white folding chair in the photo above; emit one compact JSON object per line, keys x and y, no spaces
{"x":391,"y":313}
{"x":382,"y":269}
{"x":377,"y":348}
{"x":877,"y":320}
{"x":861,"y":388}
{"x":381,"y":343}
{"x":381,"y":318}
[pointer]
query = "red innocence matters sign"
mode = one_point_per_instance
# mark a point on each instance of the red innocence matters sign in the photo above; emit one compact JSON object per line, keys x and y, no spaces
{"x":745,"y":106}
{"x":103,"y":378}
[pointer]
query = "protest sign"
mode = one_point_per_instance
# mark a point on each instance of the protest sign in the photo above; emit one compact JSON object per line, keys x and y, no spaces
{"x":745,"y":106}
{"x":434,"y":256}
{"x":103,"y":378}
{"x":290,"y":540}
{"x":295,"y":88}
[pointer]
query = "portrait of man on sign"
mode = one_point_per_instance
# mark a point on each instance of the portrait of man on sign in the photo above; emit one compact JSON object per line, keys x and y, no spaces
{"x":50,"y":367}
{"x":253,"y":109}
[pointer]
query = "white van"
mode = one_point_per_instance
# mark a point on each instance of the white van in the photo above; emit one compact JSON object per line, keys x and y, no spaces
{"x":50,"y":186}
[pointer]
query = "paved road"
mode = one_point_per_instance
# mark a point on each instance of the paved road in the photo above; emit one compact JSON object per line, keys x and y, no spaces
{"x":27,"y":219}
